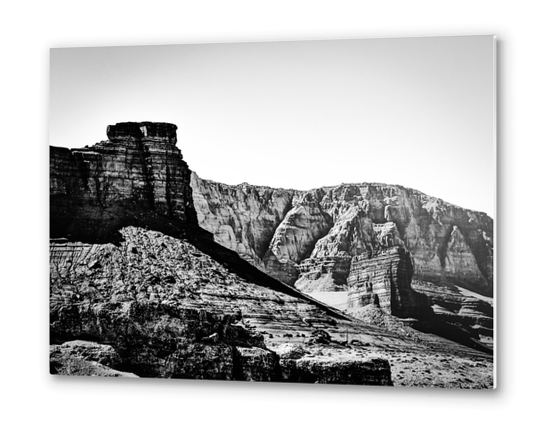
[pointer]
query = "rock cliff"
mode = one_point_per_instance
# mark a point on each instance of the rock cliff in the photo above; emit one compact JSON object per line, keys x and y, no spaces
{"x":449,"y":244}
{"x":323,"y":229}
{"x":136,"y":177}
{"x":156,"y":306}
{"x":139,"y":289}
{"x":383,"y":278}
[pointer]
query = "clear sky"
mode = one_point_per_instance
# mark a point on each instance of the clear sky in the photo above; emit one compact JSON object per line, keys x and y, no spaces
{"x":418,"y":112}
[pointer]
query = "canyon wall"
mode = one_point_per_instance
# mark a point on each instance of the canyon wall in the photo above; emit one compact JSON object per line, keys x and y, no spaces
{"x":129,"y":300}
{"x":448,"y":244}
{"x":242,"y":218}
{"x":340,"y":239}
{"x":157,"y":306}
{"x":383,"y":277}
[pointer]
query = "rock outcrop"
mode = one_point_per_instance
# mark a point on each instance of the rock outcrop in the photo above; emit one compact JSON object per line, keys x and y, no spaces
{"x":243,"y":218}
{"x":156,"y":306}
{"x":80,"y":357}
{"x":383,"y":278}
{"x":449,"y":244}
{"x":139,"y":289}
{"x":322,"y":230}
{"x":136,"y":177}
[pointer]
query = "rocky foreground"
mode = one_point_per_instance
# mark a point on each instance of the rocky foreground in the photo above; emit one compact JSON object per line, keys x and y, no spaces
{"x":156,"y":306}
{"x":140,"y":289}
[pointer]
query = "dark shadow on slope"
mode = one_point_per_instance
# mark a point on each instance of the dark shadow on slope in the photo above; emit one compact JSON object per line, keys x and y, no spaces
{"x":450,"y":332}
{"x":104,"y":230}
{"x":99,"y":225}
{"x":203,"y":240}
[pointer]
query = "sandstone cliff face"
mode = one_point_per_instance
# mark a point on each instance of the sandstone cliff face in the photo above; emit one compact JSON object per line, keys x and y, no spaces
{"x":383,"y":278}
{"x":186,"y":307}
{"x":135,"y":177}
{"x":322,"y":230}
{"x":448,"y":244}
{"x":242,"y":218}
{"x":295,"y":237}
{"x":156,"y":306}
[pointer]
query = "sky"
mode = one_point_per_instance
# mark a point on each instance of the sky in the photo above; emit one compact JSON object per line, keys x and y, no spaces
{"x":418,"y":112}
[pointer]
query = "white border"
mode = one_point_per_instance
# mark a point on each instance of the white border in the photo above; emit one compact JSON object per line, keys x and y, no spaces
{"x":28,"y":32}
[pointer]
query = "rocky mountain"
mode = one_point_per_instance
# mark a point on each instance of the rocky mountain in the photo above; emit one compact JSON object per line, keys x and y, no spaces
{"x":318,"y":240}
{"x":449,"y":244}
{"x":146,"y":281}
{"x":168,"y":310}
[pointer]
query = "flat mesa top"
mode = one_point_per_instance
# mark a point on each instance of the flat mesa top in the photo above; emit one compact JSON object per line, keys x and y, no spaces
{"x":143,"y":131}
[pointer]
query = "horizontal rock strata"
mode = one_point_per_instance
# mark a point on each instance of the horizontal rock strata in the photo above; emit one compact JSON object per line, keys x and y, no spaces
{"x":138,"y":289}
{"x":448,"y":244}
{"x":384,"y":278}
{"x":168,"y":310}
{"x":321,"y":230}
{"x":327,"y":274}
{"x":137,"y":177}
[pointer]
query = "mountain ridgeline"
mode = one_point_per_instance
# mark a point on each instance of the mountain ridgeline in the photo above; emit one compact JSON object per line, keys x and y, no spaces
{"x":352,"y":237}
{"x":290,"y":233}
{"x":156,"y":272}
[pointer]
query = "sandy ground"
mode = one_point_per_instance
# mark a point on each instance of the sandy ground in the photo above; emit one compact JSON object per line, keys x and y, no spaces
{"x":335,"y":299}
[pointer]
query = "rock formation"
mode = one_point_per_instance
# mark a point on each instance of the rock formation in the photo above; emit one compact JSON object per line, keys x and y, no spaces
{"x":136,"y":177}
{"x":156,"y":306}
{"x":448,"y":244}
{"x":323,"y":229}
{"x":383,"y":278}
{"x":242,"y":218}
{"x":139,"y":289}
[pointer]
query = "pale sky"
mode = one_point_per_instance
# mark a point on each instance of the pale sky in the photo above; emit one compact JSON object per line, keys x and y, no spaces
{"x":418,"y":112}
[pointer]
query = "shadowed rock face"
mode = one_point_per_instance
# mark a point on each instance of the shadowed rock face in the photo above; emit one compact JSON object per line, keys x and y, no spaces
{"x":143,"y":131}
{"x":187,"y":307}
{"x":384,"y":278}
{"x":137,"y":177}
{"x":156,"y":306}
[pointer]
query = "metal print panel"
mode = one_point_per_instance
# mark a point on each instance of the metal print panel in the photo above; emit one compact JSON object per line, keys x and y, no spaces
{"x":295,"y":212}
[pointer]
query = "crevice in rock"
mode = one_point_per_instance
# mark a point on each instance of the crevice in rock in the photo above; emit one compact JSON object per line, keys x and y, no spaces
{"x":443,"y":247}
{"x":266,"y":242}
{"x":306,"y":253}
{"x":480,"y":252}
{"x":146,"y":161}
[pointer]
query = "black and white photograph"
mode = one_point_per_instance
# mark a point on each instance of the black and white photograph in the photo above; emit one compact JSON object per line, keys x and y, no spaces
{"x":317,"y":212}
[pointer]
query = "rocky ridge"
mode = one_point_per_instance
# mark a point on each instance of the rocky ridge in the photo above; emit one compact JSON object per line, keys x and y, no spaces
{"x":166,"y":309}
{"x":323,"y":229}
{"x":157,"y":306}
{"x":448,"y":243}
{"x":137,"y":288}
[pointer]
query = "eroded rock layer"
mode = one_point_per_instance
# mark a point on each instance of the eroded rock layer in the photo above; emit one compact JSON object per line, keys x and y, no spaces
{"x":383,"y":278}
{"x":323,"y":229}
{"x":138,"y":289}
{"x":157,"y":306}
{"x":166,"y":309}
{"x":136,"y":177}
{"x":448,"y":244}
